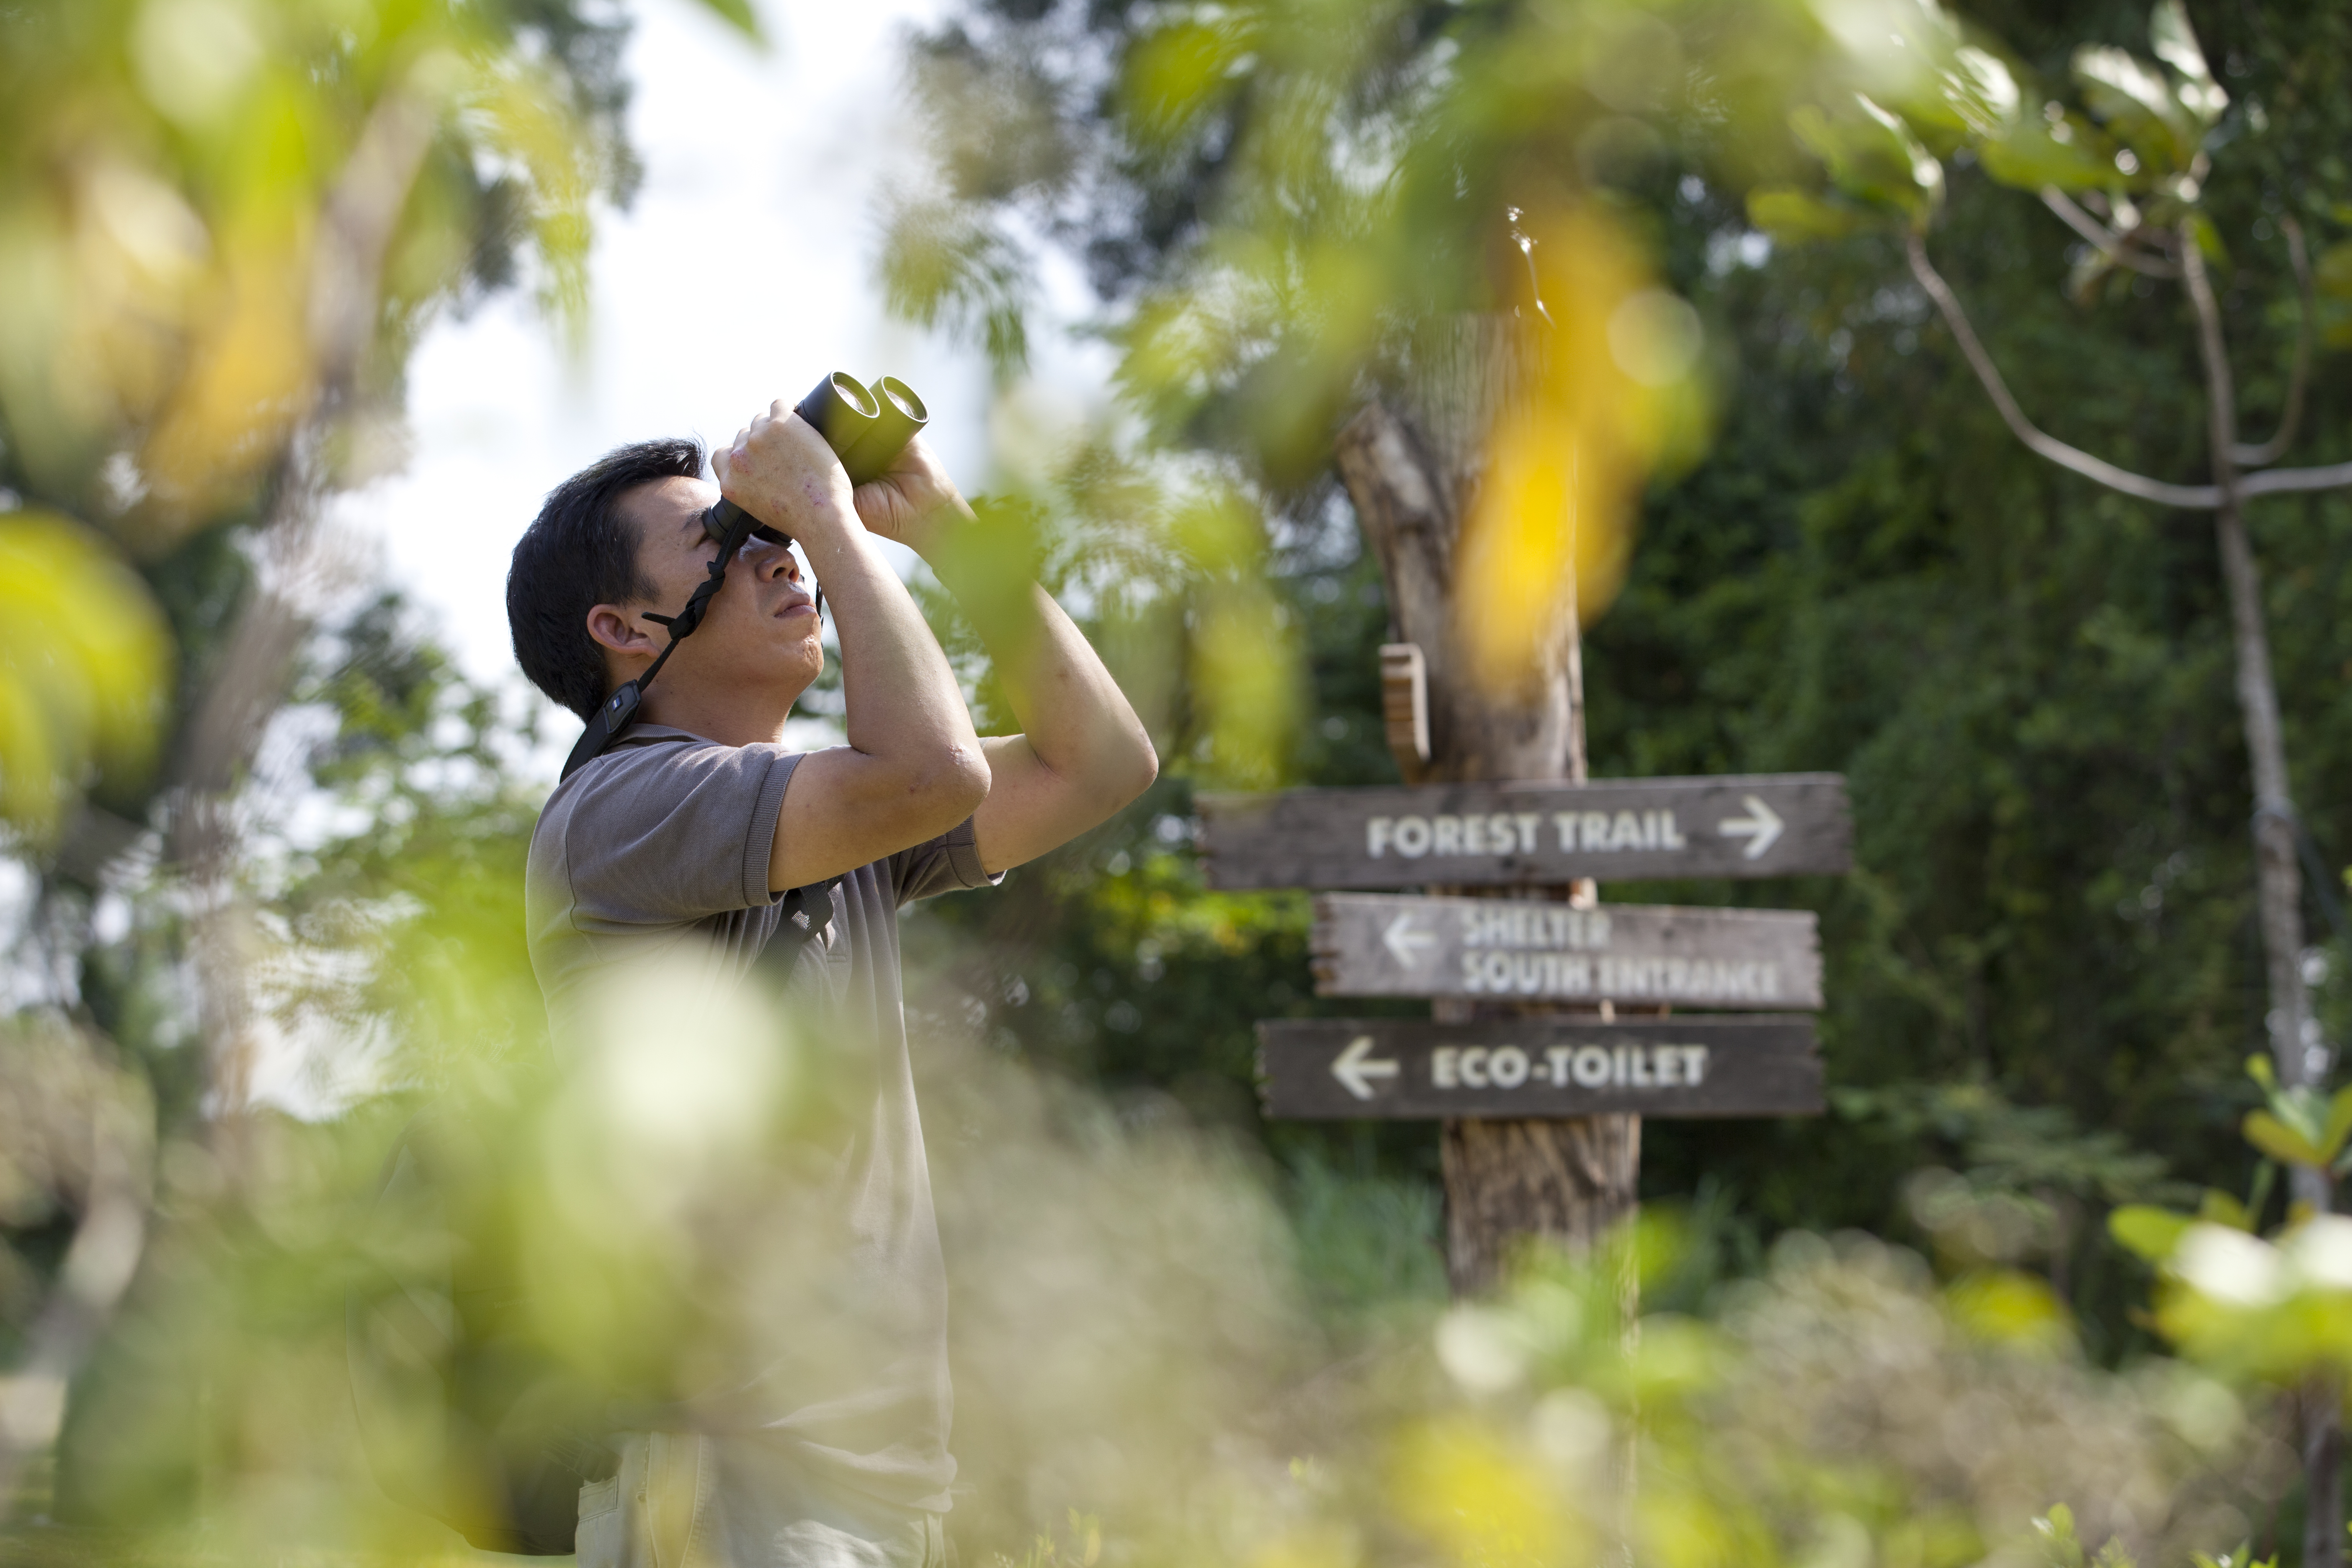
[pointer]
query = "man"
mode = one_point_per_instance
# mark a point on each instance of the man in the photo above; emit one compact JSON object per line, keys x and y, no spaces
{"x":694,"y":828}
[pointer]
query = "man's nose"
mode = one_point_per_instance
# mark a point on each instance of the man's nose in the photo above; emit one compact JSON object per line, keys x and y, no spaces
{"x":777,"y":560}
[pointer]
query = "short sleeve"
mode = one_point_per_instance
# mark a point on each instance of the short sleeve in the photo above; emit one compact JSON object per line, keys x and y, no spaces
{"x":672,"y":832}
{"x":947,"y":864}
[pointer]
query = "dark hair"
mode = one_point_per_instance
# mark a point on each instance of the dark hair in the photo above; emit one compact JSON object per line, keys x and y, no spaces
{"x":579,"y":553}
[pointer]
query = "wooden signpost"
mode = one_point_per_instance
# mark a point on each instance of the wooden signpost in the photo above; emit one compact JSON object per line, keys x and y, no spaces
{"x":1414,"y":1068}
{"x":1765,"y":825}
{"x":1489,"y":740}
{"x":1374,"y":944}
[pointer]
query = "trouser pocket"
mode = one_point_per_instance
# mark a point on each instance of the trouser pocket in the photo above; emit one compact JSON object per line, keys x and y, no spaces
{"x":647,"y":1515}
{"x":599,"y":1539}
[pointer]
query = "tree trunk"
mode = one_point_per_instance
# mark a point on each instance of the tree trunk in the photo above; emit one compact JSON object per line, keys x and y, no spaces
{"x":1412,"y":463}
{"x":2278,"y":877}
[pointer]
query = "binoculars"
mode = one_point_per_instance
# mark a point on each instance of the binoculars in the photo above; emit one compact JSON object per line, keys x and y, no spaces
{"x":866,"y":426}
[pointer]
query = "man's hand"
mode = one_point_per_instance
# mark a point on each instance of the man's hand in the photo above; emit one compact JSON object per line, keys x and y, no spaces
{"x":915,"y":502}
{"x":781,"y":471}
{"x":913,"y":768}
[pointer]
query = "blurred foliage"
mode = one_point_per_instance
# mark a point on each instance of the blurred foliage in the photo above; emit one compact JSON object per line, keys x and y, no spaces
{"x":1184,"y":1334}
{"x":2046,"y":970}
{"x":81,"y":671}
{"x":223,"y":224}
{"x":2277,"y":1308}
{"x":197,"y":190}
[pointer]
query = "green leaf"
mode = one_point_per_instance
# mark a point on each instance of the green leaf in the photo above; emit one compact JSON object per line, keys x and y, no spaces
{"x":2208,"y":239}
{"x":2007,"y":1306}
{"x":1799,"y":217}
{"x":2218,"y":1207}
{"x":2280,"y":1141}
{"x":2070,"y":154}
{"x":1874,"y":158}
{"x":737,"y":14}
{"x":2332,"y":275}
{"x":2135,"y":101}
{"x":2146,"y":1230}
{"x":2337,"y":1129}
{"x":1174,"y":75}
{"x":2060,"y":1548}
{"x":2176,"y":45}
{"x":2258,"y":1068}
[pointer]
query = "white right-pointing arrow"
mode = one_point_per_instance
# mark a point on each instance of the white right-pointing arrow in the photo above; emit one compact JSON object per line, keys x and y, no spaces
{"x":1760,"y":827}
{"x":1407,"y":941}
{"x":1353,"y":1071}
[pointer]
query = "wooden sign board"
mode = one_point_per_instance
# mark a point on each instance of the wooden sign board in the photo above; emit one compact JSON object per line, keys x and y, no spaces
{"x":1762,"y":825}
{"x":1387,"y":945}
{"x":1414,"y":1068}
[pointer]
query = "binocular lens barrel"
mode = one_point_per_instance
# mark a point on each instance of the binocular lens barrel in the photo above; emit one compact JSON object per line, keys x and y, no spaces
{"x":840,"y":410}
{"x":901,"y":415}
{"x":867,"y":427}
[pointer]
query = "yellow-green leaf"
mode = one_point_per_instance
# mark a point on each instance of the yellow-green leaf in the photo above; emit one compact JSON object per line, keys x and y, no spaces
{"x":1174,"y":74}
{"x":2218,"y":1207}
{"x":1799,"y":217}
{"x":2011,"y":1308}
{"x":83,"y":660}
{"x":2150,"y":1232}
{"x":2280,"y":1141}
{"x":2332,"y":1137}
{"x":737,"y":14}
{"x":2332,"y":275}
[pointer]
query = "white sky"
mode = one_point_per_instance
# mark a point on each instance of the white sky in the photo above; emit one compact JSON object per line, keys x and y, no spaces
{"x":743,"y":272}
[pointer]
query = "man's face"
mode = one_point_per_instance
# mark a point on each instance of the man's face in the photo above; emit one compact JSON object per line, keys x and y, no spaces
{"x":761,"y":631}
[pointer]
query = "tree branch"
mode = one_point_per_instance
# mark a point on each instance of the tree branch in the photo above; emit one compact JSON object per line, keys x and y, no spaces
{"x":2285,"y":481}
{"x":2272,"y":450}
{"x":2115,"y":246}
{"x":2193,"y":497}
{"x":2220,"y":388}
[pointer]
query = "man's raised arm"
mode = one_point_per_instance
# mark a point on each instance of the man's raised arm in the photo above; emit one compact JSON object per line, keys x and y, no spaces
{"x":1082,"y":753}
{"x":913,"y":768}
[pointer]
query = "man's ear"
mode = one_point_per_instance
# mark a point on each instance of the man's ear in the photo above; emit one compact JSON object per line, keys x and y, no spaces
{"x":620,"y":631}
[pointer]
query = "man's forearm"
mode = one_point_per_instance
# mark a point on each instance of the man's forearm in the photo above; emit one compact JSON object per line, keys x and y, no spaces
{"x":1073,"y":715}
{"x":1082,"y":754}
{"x":897,"y":685}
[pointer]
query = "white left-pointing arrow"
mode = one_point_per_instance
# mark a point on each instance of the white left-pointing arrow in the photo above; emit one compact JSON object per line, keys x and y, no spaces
{"x":1355,"y":1072}
{"x":1407,"y":941}
{"x":1760,"y":827}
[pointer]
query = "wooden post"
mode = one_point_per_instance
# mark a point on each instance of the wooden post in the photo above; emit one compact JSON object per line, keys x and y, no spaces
{"x":1412,"y":461}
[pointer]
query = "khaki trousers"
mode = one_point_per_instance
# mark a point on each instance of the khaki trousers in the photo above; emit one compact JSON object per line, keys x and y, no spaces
{"x":686,"y":1499}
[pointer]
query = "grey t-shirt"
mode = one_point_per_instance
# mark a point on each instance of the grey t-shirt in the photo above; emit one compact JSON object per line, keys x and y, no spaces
{"x":664,"y":841}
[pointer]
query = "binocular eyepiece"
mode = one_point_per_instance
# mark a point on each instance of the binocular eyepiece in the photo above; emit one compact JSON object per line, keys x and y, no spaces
{"x":866,"y":426}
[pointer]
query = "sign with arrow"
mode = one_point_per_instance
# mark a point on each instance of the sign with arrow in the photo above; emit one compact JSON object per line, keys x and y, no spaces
{"x":1763,"y":825}
{"x":1412,"y":1068}
{"x":1385,"y":944}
